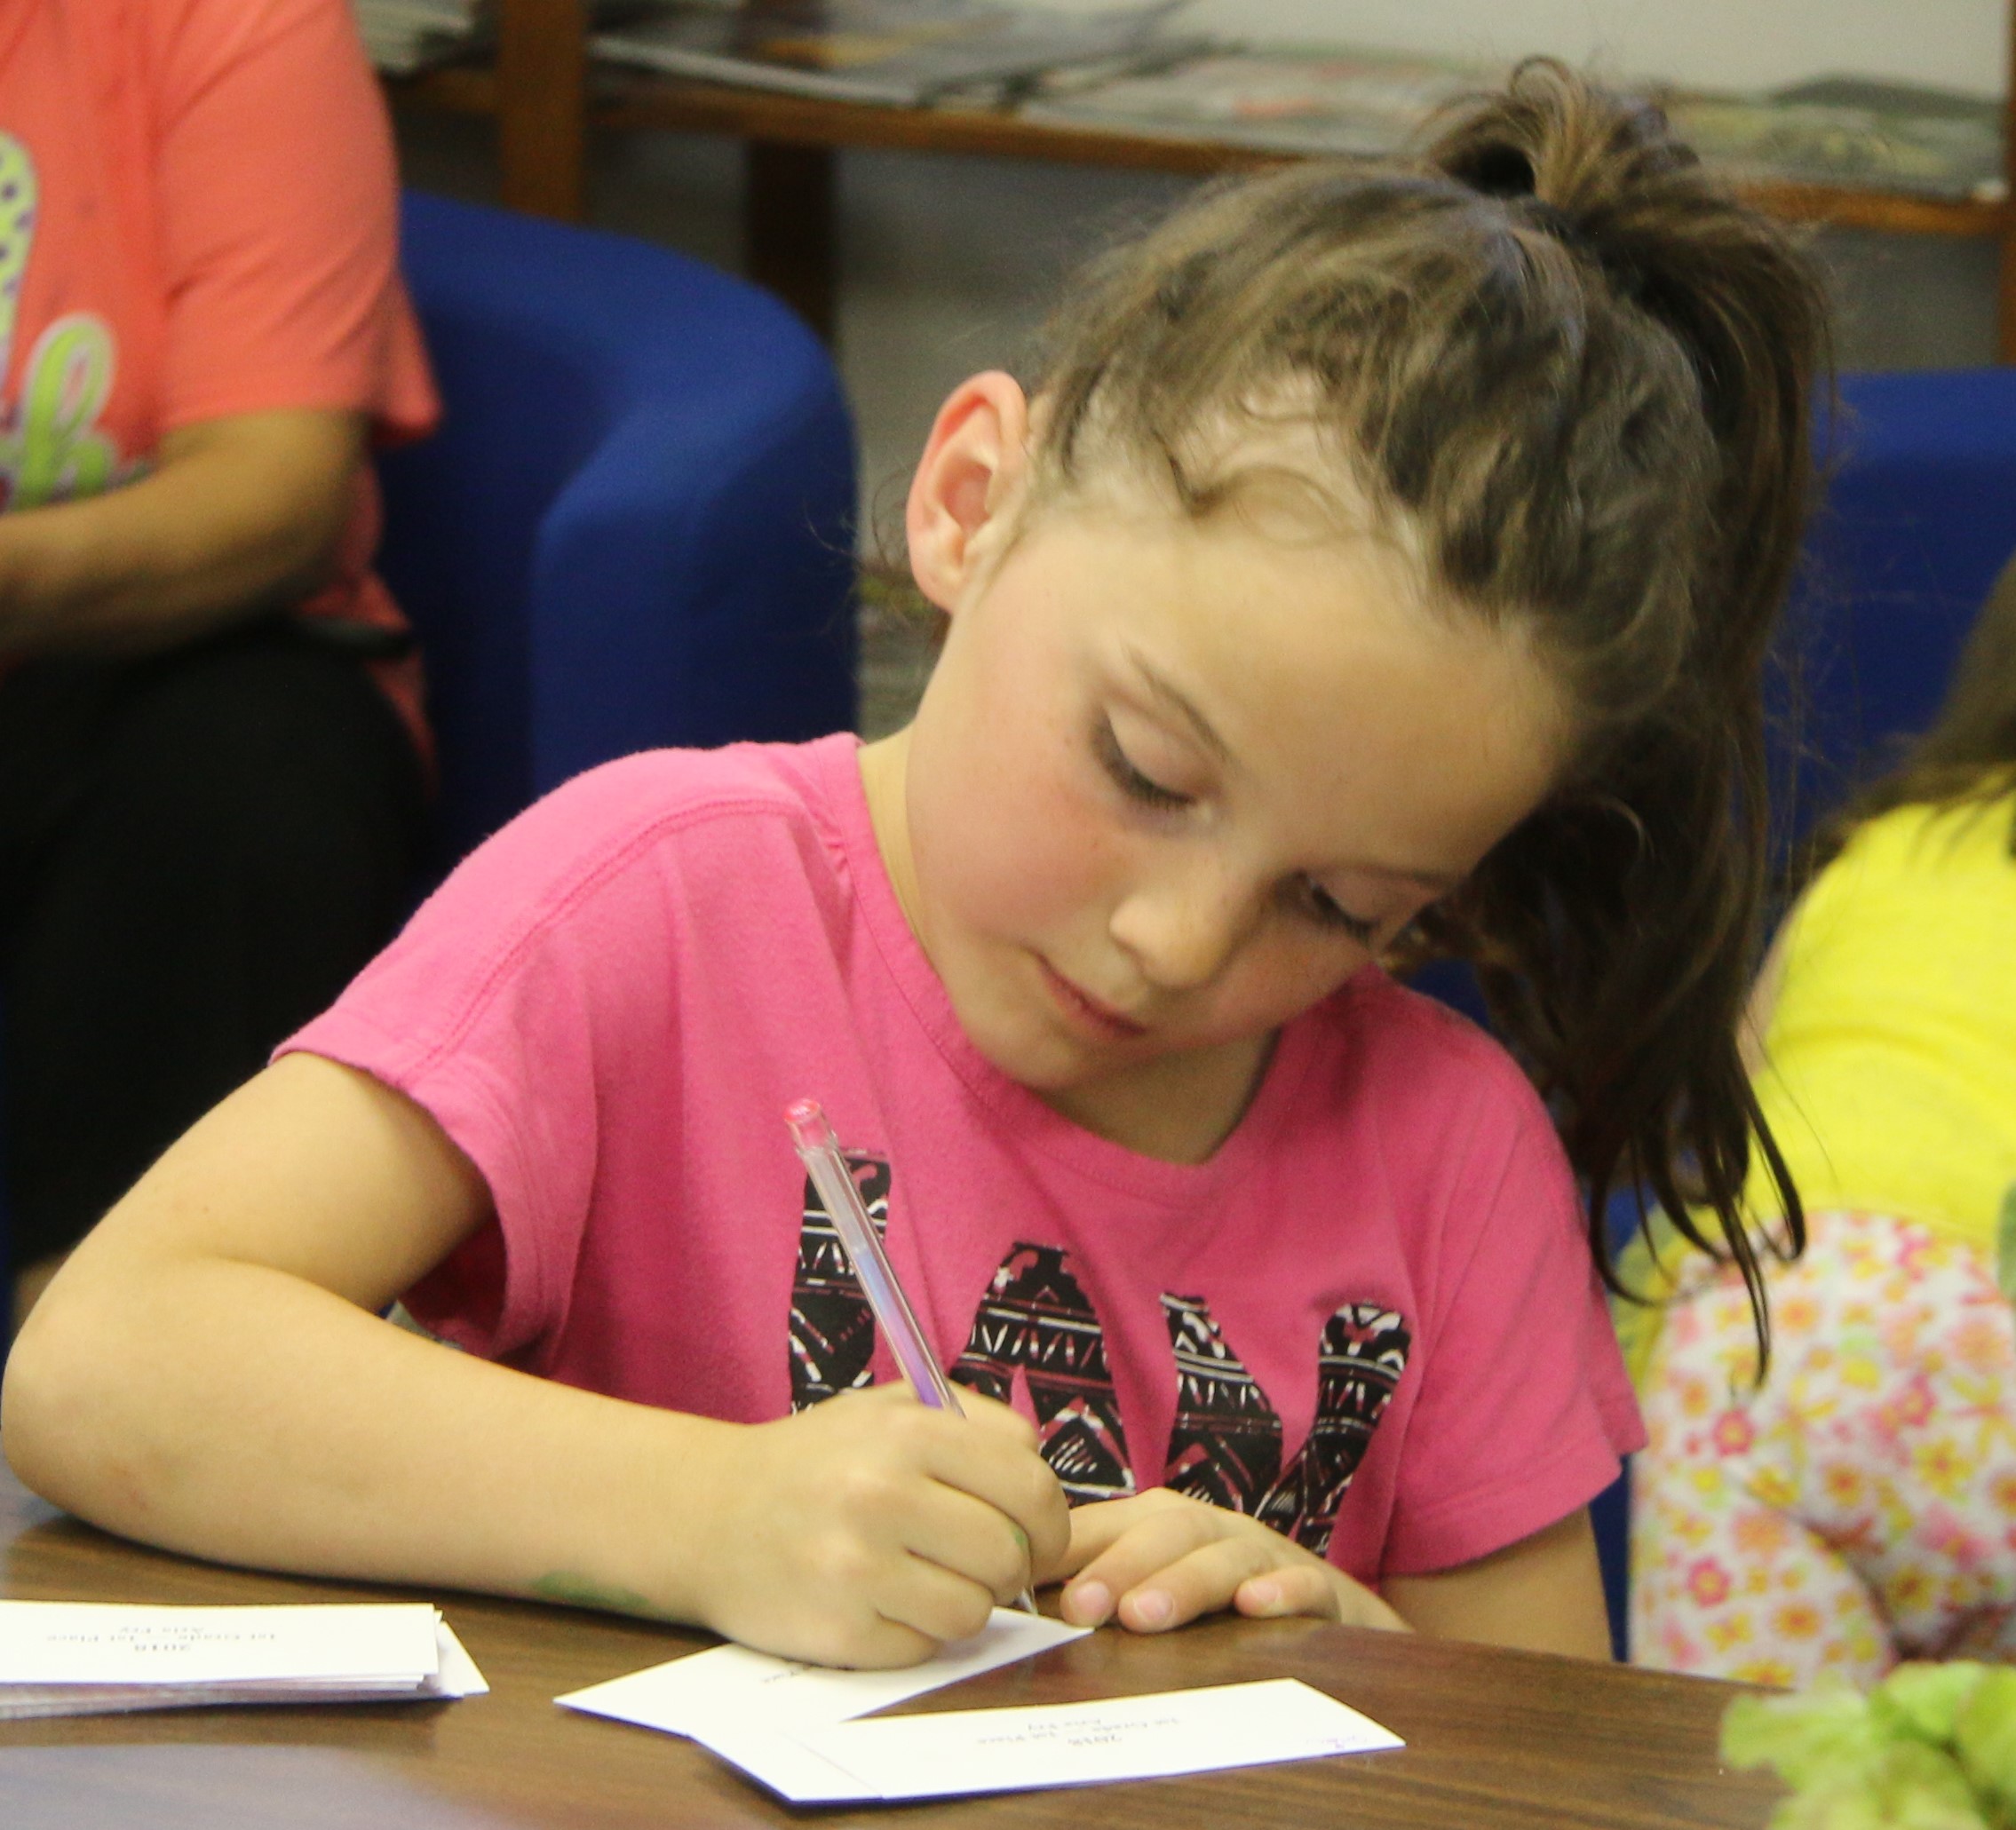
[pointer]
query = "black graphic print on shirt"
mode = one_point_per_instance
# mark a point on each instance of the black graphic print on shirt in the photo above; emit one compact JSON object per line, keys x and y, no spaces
{"x":1037,"y":1317}
{"x":832,"y":1329}
{"x":1225,"y":1445}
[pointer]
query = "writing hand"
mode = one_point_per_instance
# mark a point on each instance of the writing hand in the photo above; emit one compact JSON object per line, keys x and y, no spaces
{"x":872,"y":1528}
{"x":1159,"y":1559}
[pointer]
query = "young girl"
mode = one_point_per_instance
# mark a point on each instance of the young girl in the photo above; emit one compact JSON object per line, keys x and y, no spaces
{"x":1379,"y":554}
{"x":1856,"y":1508}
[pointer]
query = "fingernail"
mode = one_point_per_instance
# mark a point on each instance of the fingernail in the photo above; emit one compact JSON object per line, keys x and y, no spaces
{"x":1154,"y":1608}
{"x":1089,"y":1602}
{"x":1263,"y":1595}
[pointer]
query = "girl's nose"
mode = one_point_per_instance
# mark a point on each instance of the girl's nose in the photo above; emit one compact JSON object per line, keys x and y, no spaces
{"x":1182,"y":933}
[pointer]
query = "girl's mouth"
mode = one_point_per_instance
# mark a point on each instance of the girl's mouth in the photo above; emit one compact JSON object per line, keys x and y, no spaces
{"x":1087,"y":1011}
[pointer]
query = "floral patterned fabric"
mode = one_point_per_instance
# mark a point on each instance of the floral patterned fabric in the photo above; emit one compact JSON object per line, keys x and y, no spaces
{"x":1860,"y":1508}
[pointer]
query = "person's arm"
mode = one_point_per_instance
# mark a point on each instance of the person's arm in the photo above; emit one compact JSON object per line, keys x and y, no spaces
{"x":1159,"y":1560}
{"x":239,"y":515}
{"x":1543,"y":1594}
{"x":208,"y":1372}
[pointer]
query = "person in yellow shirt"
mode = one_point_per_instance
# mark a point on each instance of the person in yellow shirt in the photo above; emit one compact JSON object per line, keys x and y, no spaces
{"x":1858,"y":1506}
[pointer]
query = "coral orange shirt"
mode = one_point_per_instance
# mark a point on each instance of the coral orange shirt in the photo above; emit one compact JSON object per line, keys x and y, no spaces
{"x":197,"y":219}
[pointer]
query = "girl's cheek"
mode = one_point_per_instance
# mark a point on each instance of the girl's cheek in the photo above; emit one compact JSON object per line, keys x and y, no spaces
{"x":1297,"y":974}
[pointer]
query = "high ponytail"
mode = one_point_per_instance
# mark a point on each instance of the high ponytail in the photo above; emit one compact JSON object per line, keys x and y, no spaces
{"x":1580,"y":375}
{"x":1632,"y":1000}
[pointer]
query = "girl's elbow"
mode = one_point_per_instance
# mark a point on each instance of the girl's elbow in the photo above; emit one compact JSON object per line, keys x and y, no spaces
{"x":58,"y":1409}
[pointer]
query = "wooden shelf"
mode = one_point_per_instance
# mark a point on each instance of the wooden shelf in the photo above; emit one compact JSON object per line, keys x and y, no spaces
{"x":546,"y":97}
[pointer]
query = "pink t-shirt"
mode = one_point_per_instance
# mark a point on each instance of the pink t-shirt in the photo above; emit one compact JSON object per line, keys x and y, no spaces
{"x":1370,"y":1318}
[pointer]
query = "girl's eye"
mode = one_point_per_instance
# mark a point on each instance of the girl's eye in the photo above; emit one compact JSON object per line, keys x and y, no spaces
{"x":1131,"y":780}
{"x":1331,"y":914}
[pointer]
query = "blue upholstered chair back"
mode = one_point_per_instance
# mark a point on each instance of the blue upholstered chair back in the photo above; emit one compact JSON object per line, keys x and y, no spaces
{"x":634,"y":527}
{"x":1918,"y":520}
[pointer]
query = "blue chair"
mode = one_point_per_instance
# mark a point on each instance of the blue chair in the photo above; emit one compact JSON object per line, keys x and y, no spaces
{"x":635,"y":526}
{"x":1917,"y":521}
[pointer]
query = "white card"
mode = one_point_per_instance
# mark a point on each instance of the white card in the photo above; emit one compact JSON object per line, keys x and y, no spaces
{"x":731,"y":1688}
{"x":62,"y":1642}
{"x":456,"y":1674}
{"x":1060,"y":1744}
{"x":89,"y":1659}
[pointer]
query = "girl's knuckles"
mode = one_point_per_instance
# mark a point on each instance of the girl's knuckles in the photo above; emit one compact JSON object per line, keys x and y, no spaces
{"x":867,"y":1491}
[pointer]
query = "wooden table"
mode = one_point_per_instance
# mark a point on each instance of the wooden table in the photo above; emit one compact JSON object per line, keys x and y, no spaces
{"x":1495,"y":1738}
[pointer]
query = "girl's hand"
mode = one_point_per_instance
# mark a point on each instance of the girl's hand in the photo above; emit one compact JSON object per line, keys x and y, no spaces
{"x":872,"y":1528}
{"x":1159,"y":1559}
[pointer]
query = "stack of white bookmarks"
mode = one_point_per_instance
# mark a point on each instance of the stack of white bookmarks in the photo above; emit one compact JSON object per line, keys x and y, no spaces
{"x":60,"y":1657}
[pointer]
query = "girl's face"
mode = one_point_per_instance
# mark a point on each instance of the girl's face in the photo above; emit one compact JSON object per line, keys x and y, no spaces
{"x":1170,"y":784}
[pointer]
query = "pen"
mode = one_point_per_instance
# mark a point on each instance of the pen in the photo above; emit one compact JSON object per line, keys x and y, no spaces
{"x":820,"y":1151}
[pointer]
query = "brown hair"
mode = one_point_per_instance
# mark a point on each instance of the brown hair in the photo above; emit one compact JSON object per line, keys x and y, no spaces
{"x":1969,"y":755}
{"x":1572,"y":372}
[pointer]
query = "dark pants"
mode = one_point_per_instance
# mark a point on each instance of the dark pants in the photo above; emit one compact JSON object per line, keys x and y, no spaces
{"x":196,"y":851}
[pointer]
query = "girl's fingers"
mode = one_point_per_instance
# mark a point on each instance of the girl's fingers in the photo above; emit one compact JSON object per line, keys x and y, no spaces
{"x":1094,"y":1528}
{"x":1147,"y":1540}
{"x":990,"y":1455}
{"x":1315,"y":1588}
{"x":1097,"y":1528}
{"x":971,"y":1540}
{"x":928,"y":1598}
{"x":1302,"y":1590}
{"x":1203,"y":1582}
{"x":1159,"y":1560}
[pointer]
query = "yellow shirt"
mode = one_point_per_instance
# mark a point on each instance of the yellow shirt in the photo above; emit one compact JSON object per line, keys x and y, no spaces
{"x":1889,"y":1075}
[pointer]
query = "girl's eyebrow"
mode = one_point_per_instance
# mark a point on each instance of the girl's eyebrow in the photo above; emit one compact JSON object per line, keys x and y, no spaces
{"x":1168,"y":693}
{"x":1173,"y":696}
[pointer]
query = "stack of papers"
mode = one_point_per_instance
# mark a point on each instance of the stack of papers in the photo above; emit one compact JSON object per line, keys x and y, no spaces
{"x":1308,"y":99}
{"x":794,"y":1728}
{"x":404,"y":35}
{"x":904,"y":53}
{"x":60,"y":1657}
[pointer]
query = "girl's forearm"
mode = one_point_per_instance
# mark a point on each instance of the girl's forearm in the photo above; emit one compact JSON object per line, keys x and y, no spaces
{"x":238,"y":515}
{"x":236,"y":1412}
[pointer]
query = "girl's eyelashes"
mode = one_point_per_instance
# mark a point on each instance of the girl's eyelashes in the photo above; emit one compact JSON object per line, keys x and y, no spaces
{"x":1137,"y":784}
{"x":1127,"y":778}
{"x":1332,"y":913}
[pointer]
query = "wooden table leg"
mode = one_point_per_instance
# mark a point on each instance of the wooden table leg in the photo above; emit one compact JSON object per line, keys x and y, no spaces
{"x":788,"y":224}
{"x":542,"y":106}
{"x":2005,"y":296}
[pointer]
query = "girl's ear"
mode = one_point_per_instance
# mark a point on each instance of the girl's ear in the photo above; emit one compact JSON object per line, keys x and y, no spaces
{"x":967,"y":481}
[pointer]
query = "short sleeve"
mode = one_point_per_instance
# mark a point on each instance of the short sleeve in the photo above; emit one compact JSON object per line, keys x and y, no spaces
{"x":278,"y":228}
{"x":1526,"y":1408}
{"x":522,"y":1003}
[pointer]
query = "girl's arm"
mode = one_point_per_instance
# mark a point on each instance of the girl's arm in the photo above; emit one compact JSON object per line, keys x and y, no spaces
{"x":1158,"y":1560}
{"x":239,"y":515}
{"x":1543,"y":1594}
{"x":208,"y":1372}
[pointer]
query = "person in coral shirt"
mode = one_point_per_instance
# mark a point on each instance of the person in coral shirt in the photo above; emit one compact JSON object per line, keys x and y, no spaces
{"x":212,"y":758}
